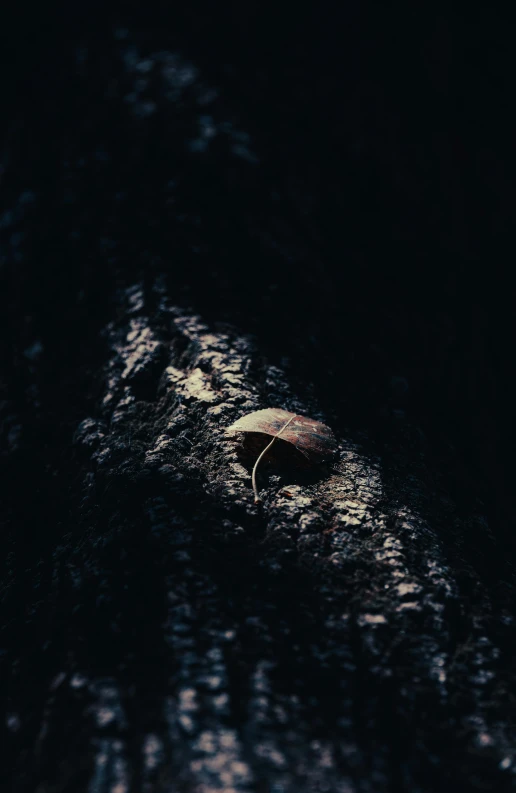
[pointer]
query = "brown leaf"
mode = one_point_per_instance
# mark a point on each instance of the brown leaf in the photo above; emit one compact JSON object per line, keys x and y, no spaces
{"x":312,"y":438}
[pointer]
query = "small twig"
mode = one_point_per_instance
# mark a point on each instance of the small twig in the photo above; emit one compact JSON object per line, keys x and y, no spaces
{"x":257,"y":499}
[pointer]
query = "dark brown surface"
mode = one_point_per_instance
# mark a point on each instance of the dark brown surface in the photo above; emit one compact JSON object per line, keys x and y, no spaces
{"x":204,"y":213}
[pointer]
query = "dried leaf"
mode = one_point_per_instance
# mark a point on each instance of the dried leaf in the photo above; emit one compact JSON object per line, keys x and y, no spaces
{"x":312,"y":438}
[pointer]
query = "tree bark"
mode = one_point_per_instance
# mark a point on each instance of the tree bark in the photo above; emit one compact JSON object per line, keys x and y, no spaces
{"x":167,"y":272}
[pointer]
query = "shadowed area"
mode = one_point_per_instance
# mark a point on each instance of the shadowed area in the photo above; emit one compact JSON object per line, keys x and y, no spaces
{"x":196,"y":226}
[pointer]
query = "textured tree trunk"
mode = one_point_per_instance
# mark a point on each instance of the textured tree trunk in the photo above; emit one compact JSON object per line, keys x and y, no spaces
{"x":176,"y":257}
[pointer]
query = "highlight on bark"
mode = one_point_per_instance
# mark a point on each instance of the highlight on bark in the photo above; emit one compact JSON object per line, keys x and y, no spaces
{"x":312,"y":438}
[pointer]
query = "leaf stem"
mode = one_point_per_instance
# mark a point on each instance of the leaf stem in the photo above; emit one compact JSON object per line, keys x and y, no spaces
{"x":257,"y":499}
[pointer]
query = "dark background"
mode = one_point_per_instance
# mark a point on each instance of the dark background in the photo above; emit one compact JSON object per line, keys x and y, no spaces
{"x":366,"y":240}
{"x":387,"y":139}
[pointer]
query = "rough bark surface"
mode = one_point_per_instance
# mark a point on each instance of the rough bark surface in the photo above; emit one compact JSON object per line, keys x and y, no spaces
{"x":161,"y":632}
